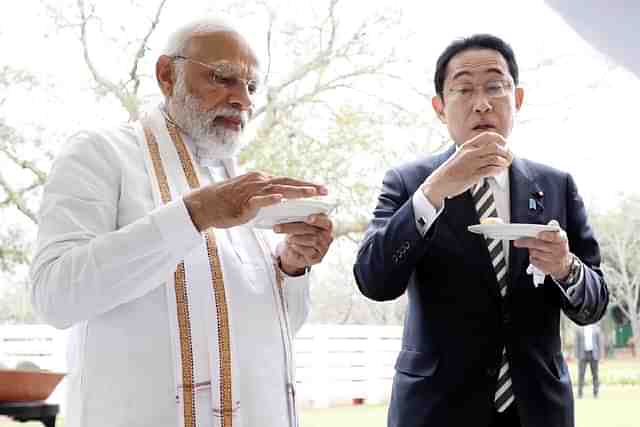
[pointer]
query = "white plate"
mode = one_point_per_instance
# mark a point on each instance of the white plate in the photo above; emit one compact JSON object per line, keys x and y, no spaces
{"x":511,"y":231}
{"x":294,"y":210}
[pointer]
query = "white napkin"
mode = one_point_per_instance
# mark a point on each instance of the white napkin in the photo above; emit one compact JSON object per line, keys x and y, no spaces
{"x":538,"y":275}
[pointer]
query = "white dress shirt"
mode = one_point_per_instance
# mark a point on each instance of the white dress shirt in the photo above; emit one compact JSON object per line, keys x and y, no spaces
{"x":103,"y":253}
{"x":588,"y":338}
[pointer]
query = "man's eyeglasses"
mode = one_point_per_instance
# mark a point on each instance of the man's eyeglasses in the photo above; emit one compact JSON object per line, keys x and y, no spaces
{"x":225,"y":74}
{"x":492,"y":89}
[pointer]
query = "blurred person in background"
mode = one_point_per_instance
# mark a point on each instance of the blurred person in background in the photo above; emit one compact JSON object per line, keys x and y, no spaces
{"x":589,"y":350}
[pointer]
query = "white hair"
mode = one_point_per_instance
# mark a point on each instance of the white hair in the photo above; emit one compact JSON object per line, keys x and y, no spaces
{"x":178,"y":40}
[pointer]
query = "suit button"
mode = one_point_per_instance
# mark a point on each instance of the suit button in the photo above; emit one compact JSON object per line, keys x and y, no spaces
{"x":492,"y":372}
{"x":506,"y":319}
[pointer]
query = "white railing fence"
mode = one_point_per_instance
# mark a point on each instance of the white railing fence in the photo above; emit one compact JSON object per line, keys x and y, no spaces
{"x":335,"y":364}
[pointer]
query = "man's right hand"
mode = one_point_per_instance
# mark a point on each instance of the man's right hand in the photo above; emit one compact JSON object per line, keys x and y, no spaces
{"x":484,"y":155}
{"x":237,"y":200}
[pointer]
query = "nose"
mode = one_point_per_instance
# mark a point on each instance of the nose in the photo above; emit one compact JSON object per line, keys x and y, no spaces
{"x":481,"y":102}
{"x":240,"y":98}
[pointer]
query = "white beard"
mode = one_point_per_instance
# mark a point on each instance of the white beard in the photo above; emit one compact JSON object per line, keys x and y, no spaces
{"x":212,"y":140}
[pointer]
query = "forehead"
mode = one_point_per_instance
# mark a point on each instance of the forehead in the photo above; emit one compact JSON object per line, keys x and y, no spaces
{"x":476,"y":62}
{"x":223,"y":47}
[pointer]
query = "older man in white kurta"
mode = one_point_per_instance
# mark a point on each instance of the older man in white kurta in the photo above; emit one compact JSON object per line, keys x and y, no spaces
{"x":179,"y":313}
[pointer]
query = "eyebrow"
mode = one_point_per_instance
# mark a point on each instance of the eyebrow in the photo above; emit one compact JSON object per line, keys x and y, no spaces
{"x":467,"y":73}
{"x":223,"y":65}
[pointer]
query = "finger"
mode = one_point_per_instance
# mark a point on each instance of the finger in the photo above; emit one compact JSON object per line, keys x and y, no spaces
{"x":304,"y":240}
{"x":290,"y":191}
{"x":296,"y":228}
{"x":319,"y":241}
{"x":494,"y":150}
{"x":257,"y":202}
{"x":553,"y":236}
{"x":321,"y":189}
{"x":496,"y":137}
{"x":543,"y":257}
{"x":297,"y":255}
{"x":482,"y":139}
{"x":321,"y":221}
{"x":534,"y":244}
{"x":539,"y":265}
{"x":304,"y":254}
{"x":312,"y":255}
{"x":494,"y":160}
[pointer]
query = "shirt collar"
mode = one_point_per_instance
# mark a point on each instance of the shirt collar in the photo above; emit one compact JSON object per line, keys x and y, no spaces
{"x":501,"y":179}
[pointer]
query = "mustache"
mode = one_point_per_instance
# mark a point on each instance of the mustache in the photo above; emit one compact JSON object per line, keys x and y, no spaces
{"x":229,"y":113}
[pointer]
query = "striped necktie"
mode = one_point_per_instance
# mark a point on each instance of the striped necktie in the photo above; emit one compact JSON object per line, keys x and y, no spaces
{"x":486,"y":207}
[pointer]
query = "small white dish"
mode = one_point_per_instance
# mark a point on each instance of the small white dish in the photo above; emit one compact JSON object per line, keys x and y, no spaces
{"x":511,"y":231}
{"x":294,"y":210}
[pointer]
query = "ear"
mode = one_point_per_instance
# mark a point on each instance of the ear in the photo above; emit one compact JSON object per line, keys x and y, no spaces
{"x":438,"y":106}
{"x":519,"y":98}
{"x":165,"y":75}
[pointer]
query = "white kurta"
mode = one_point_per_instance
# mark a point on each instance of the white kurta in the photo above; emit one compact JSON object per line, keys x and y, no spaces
{"x":103,"y":253}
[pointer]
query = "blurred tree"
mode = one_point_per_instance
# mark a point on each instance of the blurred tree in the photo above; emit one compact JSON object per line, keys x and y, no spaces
{"x":619,"y":235}
{"x":22,"y":172}
{"x":15,"y":305}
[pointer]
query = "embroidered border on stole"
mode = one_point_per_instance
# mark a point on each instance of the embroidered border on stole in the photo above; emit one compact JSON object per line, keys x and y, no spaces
{"x":184,"y":324}
{"x":182,"y":299}
{"x":224,"y":338}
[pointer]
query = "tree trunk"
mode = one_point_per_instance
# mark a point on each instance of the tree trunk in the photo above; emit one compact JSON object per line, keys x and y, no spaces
{"x":635,"y":331}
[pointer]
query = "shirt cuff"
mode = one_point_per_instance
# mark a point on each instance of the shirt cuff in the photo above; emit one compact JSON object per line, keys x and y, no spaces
{"x":297,"y":279}
{"x":296,"y":286}
{"x":176,"y":227}
{"x":573,"y":293}
{"x":424,"y":212}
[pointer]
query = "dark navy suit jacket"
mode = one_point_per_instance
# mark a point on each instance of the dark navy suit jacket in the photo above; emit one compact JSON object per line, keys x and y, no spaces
{"x":457,"y":323}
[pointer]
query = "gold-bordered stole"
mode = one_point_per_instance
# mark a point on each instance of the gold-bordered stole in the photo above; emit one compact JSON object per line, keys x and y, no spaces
{"x":182,"y":299}
{"x":224,"y":339}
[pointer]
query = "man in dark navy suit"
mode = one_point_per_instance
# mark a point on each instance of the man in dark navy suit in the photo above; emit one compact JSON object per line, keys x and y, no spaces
{"x":481,"y":342}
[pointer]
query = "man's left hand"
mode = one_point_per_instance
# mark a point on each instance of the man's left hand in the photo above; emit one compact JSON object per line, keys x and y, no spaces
{"x":549,"y":252}
{"x":306,"y":243}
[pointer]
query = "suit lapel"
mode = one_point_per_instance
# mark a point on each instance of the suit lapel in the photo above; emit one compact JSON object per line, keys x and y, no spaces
{"x":527,"y":207}
{"x":460,"y":214}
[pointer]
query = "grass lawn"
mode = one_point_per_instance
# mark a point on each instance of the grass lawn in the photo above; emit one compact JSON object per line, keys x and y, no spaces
{"x":617,"y":406}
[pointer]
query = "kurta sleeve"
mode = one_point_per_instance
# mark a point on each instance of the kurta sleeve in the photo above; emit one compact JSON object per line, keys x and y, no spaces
{"x":84,"y":265}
